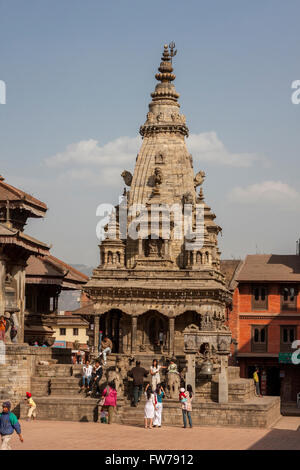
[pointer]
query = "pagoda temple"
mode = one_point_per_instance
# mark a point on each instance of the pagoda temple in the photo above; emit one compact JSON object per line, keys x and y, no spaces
{"x":31,"y":279}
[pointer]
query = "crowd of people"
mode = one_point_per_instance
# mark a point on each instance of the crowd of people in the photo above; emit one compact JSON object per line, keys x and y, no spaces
{"x":154,"y":391}
{"x":155,"y":394}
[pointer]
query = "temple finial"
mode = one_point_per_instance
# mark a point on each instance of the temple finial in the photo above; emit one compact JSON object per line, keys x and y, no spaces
{"x":173,"y":51}
{"x":165,"y":67}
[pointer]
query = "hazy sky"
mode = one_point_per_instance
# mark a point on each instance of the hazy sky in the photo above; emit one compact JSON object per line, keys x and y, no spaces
{"x":79,"y":76}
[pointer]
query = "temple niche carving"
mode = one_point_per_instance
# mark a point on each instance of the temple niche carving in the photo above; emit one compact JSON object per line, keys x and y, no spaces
{"x":148,"y":290}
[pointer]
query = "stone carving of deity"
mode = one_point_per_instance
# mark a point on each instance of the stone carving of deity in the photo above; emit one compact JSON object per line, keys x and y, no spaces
{"x":173,"y":382}
{"x":150,"y":117}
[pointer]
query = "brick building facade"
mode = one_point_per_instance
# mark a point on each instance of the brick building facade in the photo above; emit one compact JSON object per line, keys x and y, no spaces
{"x":265,"y":320}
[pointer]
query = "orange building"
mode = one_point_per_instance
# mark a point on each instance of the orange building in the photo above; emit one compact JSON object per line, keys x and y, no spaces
{"x":265,"y":321}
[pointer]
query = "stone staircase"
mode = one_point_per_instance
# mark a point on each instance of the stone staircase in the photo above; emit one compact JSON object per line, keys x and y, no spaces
{"x":56,"y":390}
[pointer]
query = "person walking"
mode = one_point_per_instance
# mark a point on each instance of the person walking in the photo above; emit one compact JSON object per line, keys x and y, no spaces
{"x":106,"y":346}
{"x":186,"y":406}
{"x":159,"y":395}
{"x":87,"y":370}
{"x":154,"y":371}
{"x":256,"y":382}
{"x":109,"y":395}
{"x":137,"y":373}
{"x":31,"y":407}
{"x":8,"y":424}
{"x":149,"y":406}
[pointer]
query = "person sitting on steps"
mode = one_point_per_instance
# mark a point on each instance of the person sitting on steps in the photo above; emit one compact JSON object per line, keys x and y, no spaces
{"x":106,"y":346}
{"x":96,"y":376}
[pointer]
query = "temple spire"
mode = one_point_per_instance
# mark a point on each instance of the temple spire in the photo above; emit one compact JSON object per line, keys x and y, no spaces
{"x":163,"y":115}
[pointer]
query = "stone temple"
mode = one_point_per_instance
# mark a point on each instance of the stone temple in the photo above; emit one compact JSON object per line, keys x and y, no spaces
{"x":148,"y":292}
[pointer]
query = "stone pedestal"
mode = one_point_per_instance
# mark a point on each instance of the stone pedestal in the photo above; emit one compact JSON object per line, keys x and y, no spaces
{"x":190,"y":376}
{"x":223,"y":383}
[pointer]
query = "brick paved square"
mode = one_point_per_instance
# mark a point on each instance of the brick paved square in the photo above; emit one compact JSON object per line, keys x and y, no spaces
{"x":53,"y":435}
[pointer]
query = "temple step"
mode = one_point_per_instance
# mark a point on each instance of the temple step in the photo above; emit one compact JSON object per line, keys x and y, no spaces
{"x":65,"y":386}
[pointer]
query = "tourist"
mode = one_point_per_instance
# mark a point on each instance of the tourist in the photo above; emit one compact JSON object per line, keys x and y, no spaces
{"x":2,"y":328}
{"x":137,"y":373}
{"x":256,"y":382}
{"x":87,"y":370}
{"x":187,"y":406}
{"x":159,"y":395}
{"x":109,"y":395}
{"x":106,"y":346}
{"x":154,"y":371}
{"x":31,"y":407}
{"x":149,"y":406}
{"x":8,"y":424}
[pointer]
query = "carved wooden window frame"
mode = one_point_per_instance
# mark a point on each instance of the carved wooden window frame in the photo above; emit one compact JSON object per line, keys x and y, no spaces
{"x":287,"y":301}
{"x":259,"y":345}
{"x":259,"y":297}
{"x":286,"y":342}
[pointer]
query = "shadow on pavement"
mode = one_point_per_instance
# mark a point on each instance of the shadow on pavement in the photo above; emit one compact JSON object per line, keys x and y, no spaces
{"x":279,"y":439}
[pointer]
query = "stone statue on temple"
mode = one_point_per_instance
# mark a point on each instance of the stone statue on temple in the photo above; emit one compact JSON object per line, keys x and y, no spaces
{"x":199,"y":178}
{"x":173,"y":380}
{"x":127,"y":177}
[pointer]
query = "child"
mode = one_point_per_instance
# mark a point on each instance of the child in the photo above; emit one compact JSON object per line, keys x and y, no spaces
{"x":183,"y":398}
{"x":8,"y":424}
{"x":31,"y":407}
{"x":103,"y":415}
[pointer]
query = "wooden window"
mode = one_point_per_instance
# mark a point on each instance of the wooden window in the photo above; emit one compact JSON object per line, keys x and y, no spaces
{"x":75,"y":331}
{"x":289,"y":297}
{"x":287,"y":336}
{"x":259,"y":298}
{"x":259,"y":338}
{"x":62,"y":332}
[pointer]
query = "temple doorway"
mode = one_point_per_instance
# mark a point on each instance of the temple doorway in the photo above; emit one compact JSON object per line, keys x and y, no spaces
{"x":110,"y":326}
{"x":155,"y":328}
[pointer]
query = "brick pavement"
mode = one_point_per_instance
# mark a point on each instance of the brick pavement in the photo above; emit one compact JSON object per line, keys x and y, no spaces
{"x":55,"y":435}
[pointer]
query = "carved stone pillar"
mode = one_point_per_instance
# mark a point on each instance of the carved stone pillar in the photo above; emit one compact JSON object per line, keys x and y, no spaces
{"x":133,"y":334}
{"x":223,"y":381}
{"x":171,"y":335}
{"x":167,"y":251}
{"x":96,"y":332}
{"x":140,"y":246}
{"x":190,"y":377}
